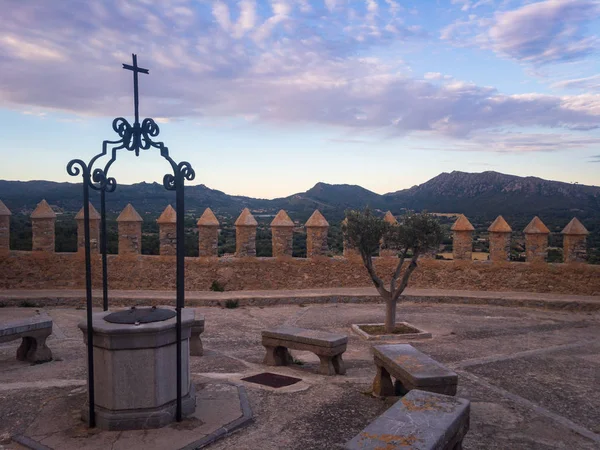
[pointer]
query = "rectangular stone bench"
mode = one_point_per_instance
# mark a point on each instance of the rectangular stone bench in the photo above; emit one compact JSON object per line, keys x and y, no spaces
{"x":196,"y":348}
{"x":327,"y":346}
{"x":411,"y":369}
{"x":34,"y":331}
{"x":419,"y":421}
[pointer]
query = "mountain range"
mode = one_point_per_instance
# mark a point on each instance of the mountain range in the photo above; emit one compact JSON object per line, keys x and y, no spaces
{"x":483,"y":195}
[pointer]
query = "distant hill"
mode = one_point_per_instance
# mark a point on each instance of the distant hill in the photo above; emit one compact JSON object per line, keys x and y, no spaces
{"x":482,"y":195}
{"x":493,"y":193}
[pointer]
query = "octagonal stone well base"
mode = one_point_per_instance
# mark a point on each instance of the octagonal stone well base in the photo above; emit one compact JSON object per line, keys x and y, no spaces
{"x":135,"y":372}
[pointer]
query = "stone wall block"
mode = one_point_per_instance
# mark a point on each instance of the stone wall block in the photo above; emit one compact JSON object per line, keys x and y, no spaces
{"x":500,"y":240}
{"x":208,"y":234}
{"x":4,"y":228}
{"x":43,"y":223}
{"x":282,"y":235}
{"x":130,"y":231}
{"x":94,"y":230}
{"x":316,"y":235}
{"x":245,"y":234}
{"x":574,"y":242}
{"x":167,"y":231}
{"x":536,"y":241}
{"x":462,"y":239}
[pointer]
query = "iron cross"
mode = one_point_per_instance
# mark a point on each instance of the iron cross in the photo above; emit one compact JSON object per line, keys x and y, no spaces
{"x":135,"y":69}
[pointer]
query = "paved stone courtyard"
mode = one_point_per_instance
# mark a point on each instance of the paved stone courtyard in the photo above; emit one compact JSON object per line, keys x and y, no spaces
{"x":533,"y":376}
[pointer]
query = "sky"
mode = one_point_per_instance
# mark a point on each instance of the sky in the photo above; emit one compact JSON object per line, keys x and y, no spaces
{"x":267,"y":98}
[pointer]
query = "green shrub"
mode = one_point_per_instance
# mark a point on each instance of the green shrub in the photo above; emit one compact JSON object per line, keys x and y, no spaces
{"x":217,"y":287}
{"x":231,"y":304}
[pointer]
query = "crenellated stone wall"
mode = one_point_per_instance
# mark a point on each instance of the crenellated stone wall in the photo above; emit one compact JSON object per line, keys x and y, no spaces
{"x":130,"y":235}
{"x":167,"y":231}
{"x":94,"y":230}
{"x":4,"y":228}
{"x":36,"y":270}
{"x":130,"y":231}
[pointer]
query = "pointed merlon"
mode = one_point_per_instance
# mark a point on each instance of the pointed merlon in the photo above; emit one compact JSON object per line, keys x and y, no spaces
{"x":536,"y":226}
{"x":208,"y":219}
{"x":4,"y":211}
{"x":575,"y":227}
{"x":129,"y":214}
{"x":246,"y":219}
{"x":282,"y":220}
{"x":168,"y":216}
{"x":389,"y":218}
{"x":316,"y":220}
{"x":94,"y":215}
{"x":462,"y":224}
{"x":43,"y":211}
{"x":499,"y":226}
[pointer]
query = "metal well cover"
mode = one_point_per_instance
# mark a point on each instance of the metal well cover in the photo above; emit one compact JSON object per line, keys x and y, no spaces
{"x":136,"y":316}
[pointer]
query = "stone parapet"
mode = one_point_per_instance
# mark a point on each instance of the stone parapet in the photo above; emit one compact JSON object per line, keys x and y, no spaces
{"x":282,"y":234}
{"x":462,"y":239}
{"x":130,"y":231}
{"x":245,"y":234}
{"x":167,"y":231}
{"x":43,"y":223}
{"x":536,"y":241}
{"x":59,"y":271}
{"x":4,"y":228}
{"x":316,"y":235}
{"x":500,"y":240}
{"x":94,"y":230}
{"x":208,"y":235}
{"x":574,"y":242}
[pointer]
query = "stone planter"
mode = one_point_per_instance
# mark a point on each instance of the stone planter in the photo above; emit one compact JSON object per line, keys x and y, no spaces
{"x":418,"y":334}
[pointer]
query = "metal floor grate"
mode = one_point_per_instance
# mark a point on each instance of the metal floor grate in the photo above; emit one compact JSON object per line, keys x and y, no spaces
{"x":272,"y":380}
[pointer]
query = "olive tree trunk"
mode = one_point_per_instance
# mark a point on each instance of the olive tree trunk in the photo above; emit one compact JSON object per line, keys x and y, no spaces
{"x":390,"y":315}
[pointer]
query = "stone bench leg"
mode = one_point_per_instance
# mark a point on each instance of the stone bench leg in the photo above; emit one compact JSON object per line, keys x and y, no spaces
{"x":26,"y":344}
{"x":196,"y":348}
{"x":338,"y":364}
{"x":277,"y":356}
{"x":34,"y":349}
{"x":327,"y":367}
{"x":382,"y":384}
{"x":399,"y":388}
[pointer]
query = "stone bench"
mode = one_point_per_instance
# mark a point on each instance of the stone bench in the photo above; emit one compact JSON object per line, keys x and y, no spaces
{"x":411,"y":369}
{"x":327,"y":346}
{"x":419,"y":421}
{"x":34,"y":331}
{"x":196,"y":348}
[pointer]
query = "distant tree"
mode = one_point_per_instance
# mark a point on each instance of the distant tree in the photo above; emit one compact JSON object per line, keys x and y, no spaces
{"x":413,"y":235}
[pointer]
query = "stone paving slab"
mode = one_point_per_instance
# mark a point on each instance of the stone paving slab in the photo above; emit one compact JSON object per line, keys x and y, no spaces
{"x":504,"y":358}
{"x":76,"y":297}
{"x":221,"y":409}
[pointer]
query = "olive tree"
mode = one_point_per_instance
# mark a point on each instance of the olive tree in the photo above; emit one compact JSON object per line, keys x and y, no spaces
{"x":414,"y":234}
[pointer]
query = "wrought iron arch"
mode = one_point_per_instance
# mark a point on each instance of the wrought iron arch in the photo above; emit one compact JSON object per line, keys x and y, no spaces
{"x":133,"y":138}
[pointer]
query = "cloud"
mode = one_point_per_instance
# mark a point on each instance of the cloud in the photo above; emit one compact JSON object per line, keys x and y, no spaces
{"x":547,"y":31}
{"x":285,"y":63}
{"x":594,"y":159}
{"x":589,"y":83}
{"x":538,"y":33}
{"x":436,"y":76}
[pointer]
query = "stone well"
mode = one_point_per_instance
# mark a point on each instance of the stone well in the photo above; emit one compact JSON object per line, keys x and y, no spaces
{"x":135,"y":369}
